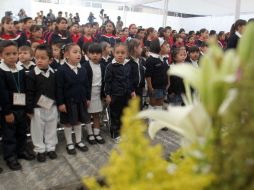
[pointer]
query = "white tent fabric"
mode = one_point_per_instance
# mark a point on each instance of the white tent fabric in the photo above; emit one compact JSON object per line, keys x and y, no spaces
{"x":205,"y":7}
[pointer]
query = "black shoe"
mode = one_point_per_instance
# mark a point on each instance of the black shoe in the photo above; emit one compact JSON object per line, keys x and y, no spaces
{"x":1,"y":170}
{"x":41,"y":157}
{"x":71,"y":149}
{"x":52,"y":155}
{"x":26,"y":156}
{"x":81,"y":146}
{"x":99,"y":139}
{"x":93,"y":141}
{"x":13,"y":164}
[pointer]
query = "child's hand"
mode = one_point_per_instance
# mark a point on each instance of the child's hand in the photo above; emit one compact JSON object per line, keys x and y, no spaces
{"x":150,"y":90}
{"x":88,"y":103}
{"x":9,"y":118}
{"x":108,"y":99}
{"x":29,"y":115}
{"x":133,"y":94}
{"x":62,"y":108}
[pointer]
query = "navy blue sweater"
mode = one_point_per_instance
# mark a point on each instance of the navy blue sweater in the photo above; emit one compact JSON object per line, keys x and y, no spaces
{"x":118,"y":79}
{"x":90,"y":78}
{"x":58,"y":38}
{"x":8,"y":87}
{"x":157,"y":70}
{"x":137,"y":73}
{"x":37,"y":85}
{"x":112,"y":40}
{"x":71,"y":86}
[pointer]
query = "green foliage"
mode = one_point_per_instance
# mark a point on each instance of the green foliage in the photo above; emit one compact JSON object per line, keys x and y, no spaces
{"x":238,"y":143}
{"x":137,"y":165}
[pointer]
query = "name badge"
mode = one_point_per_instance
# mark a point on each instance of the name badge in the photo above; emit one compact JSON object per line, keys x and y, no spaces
{"x":45,"y":102}
{"x":19,"y":99}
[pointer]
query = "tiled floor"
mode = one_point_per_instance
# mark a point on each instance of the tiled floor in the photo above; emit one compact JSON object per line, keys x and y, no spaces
{"x":66,"y":171}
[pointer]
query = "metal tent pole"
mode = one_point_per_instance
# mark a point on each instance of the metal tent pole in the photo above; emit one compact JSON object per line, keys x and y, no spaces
{"x":237,"y":9}
{"x":165,"y":13}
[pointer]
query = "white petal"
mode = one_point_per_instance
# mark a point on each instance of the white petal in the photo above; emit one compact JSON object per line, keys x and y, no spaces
{"x":231,"y":96}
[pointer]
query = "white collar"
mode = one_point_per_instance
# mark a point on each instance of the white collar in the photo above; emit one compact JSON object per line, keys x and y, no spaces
{"x":238,"y":34}
{"x":72,"y":66}
{"x":135,"y":59}
{"x":86,"y":58}
{"x":31,"y":63}
{"x":57,"y":60}
{"x":38,"y":71}
{"x":155,"y":55}
{"x":12,"y":39}
{"x":5,"y":67}
{"x":106,"y":58}
{"x":115,"y":62}
{"x":193,"y":61}
{"x":163,"y":56}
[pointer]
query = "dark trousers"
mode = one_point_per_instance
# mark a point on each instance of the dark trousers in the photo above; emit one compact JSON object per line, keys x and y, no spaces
{"x":118,"y":103}
{"x":139,"y":93}
{"x":14,"y":135}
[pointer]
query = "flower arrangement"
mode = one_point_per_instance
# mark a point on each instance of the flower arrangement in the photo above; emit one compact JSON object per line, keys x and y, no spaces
{"x":217,"y":127}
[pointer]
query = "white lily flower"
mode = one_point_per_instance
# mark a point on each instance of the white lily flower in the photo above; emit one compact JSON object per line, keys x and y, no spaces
{"x":192,"y":121}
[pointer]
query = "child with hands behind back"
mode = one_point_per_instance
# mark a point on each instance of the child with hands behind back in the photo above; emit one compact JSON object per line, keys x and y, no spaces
{"x":118,"y":88}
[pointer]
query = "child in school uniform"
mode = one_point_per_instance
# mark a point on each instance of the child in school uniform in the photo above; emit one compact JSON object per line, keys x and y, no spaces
{"x":118,"y":88}
{"x":193,"y":56}
{"x":84,"y":57}
{"x":156,"y":73}
{"x":87,"y":36}
{"x":137,"y":67}
{"x":73,"y":97}
{"x":7,"y":32}
{"x":176,"y":88}
{"x":41,"y":108}
{"x":60,"y":34}
{"x":57,"y":56}
{"x":36,"y":35}
{"x":106,"y":53}
{"x":13,"y":99}
{"x":27,"y":23}
{"x":109,"y":34}
{"x":75,"y":34}
{"x":25,"y":58}
{"x":1,"y":103}
{"x":95,"y":72}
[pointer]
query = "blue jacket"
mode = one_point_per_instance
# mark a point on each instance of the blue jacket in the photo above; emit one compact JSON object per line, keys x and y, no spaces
{"x":118,"y":80}
{"x":10,"y":82}
{"x":71,"y":86}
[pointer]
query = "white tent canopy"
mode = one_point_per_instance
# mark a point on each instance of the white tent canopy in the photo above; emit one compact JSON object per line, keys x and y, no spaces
{"x":205,"y":7}
{"x":221,"y":13}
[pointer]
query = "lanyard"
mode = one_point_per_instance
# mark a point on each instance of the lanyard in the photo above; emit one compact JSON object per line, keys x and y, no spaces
{"x":17,"y":83}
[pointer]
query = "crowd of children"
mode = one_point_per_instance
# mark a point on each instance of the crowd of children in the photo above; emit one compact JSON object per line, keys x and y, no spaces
{"x":72,"y":72}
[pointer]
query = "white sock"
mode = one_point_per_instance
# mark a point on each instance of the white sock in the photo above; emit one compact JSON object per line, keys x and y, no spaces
{"x":89,"y":129}
{"x":68,"y":135}
{"x":78,"y":132}
{"x":96,"y":131}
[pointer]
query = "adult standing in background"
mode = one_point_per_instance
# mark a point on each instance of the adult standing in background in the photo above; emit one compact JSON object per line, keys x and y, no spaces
{"x":70,"y":20}
{"x":101,"y":15}
{"x":22,"y":14}
{"x":91,"y":18}
{"x":76,"y":18}
{"x":51,"y":15}
{"x":119,"y":24}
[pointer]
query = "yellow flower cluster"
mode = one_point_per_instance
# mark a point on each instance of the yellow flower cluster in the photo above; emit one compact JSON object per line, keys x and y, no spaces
{"x":136,"y":165}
